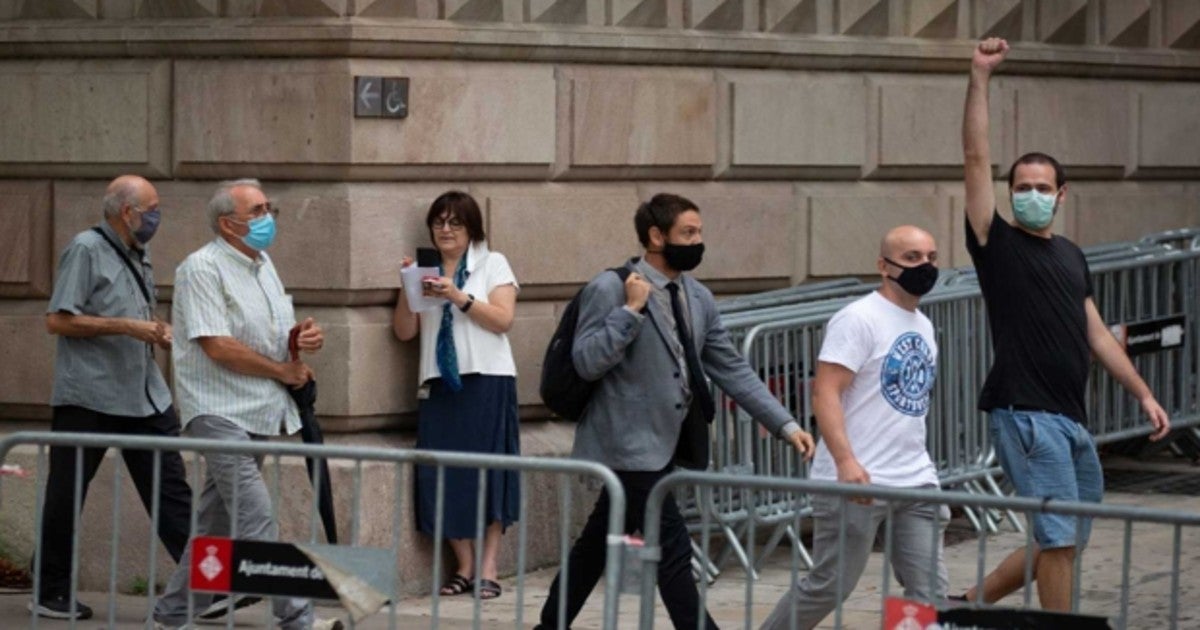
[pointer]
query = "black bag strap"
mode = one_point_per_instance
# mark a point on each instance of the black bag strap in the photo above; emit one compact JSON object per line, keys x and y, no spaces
{"x":141,"y":282}
{"x":145,"y":294}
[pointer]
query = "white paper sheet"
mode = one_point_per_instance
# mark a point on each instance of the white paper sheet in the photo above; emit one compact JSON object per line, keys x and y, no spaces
{"x":411,"y":278}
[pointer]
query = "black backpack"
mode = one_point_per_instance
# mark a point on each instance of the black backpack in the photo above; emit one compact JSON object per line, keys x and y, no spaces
{"x":563,"y":390}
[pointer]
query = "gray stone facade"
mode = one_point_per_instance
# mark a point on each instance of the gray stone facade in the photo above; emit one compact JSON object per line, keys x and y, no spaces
{"x":803,"y":128}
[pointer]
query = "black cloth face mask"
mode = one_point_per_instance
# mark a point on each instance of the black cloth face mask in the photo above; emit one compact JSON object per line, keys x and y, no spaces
{"x":683,"y":257}
{"x":917,"y":280}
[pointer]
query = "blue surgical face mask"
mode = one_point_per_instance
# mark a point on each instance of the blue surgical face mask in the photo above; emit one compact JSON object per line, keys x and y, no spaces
{"x":261,"y":234}
{"x":149,"y":226}
{"x":1033,"y":210}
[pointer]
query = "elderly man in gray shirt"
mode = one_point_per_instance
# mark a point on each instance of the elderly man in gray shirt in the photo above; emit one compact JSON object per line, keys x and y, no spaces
{"x":106,"y":381}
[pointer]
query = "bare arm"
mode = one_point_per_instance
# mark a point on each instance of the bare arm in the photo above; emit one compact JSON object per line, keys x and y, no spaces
{"x":831,"y":382}
{"x":496,"y":315}
{"x":977,"y":151}
{"x":405,"y":323}
{"x":1112,"y":356}
{"x":235,"y":356}
{"x":71,"y":325}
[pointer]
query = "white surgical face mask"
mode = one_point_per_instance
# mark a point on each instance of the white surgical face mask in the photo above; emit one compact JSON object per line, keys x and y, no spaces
{"x":1032,"y":209}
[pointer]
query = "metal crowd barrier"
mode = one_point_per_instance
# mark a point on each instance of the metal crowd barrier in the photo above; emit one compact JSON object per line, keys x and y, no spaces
{"x":1148,"y":288}
{"x":1133,"y":282}
{"x":1182,"y":238}
{"x":824,"y":289}
{"x":565,"y":470}
{"x":1108,"y":600}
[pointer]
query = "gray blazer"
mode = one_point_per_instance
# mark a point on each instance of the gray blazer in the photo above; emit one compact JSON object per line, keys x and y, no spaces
{"x":634,"y":417}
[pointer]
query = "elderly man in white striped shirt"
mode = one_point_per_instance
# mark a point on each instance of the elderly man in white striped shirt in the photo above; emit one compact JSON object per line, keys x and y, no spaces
{"x":232,"y":320}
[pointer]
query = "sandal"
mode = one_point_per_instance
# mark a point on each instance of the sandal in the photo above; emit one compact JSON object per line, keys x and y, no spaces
{"x":489,"y":589}
{"x":457,"y":585}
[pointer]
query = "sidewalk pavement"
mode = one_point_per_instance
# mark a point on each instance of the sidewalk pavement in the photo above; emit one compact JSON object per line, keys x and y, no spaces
{"x":1149,"y":595}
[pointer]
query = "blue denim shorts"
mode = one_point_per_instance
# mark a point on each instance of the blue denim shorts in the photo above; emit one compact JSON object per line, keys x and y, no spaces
{"x":1048,"y":456}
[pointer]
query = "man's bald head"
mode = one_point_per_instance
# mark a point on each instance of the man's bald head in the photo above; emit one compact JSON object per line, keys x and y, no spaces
{"x":903,"y":239}
{"x":914,"y":252}
{"x":128,"y":190}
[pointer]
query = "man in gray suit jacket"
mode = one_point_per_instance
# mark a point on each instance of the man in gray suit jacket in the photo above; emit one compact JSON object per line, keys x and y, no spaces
{"x":650,"y":343}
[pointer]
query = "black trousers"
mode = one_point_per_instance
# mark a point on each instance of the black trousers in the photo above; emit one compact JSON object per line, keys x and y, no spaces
{"x":58,"y":515}
{"x":586,"y":560}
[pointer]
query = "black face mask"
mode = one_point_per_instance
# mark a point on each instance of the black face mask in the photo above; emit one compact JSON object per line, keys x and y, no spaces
{"x":917,"y":280}
{"x":683,"y":257}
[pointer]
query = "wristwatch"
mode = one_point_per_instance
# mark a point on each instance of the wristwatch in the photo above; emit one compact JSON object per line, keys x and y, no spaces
{"x":470,"y":302}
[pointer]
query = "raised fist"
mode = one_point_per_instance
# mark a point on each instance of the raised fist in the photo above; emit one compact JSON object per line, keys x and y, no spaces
{"x":988,"y":54}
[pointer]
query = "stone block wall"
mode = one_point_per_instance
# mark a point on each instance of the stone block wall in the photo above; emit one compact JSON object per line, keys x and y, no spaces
{"x":797,"y":174}
{"x":803,"y":129}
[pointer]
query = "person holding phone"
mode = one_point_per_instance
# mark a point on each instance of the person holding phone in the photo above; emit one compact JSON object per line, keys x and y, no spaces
{"x":467,"y":399}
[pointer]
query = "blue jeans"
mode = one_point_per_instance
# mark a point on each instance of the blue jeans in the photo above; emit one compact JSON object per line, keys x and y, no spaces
{"x":1048,"y":456}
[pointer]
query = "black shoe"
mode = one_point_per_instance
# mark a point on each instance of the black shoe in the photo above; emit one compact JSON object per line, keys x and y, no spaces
{"x":220,"y":605}
{"x":59,"y":607}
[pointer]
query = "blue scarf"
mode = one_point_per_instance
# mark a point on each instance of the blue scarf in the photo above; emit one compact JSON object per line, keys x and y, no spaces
{"x":447,"y":357}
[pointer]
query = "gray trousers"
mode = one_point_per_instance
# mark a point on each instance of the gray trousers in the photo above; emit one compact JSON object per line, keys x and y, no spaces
{"x":913,"y":526}
{"x":224,"y":472}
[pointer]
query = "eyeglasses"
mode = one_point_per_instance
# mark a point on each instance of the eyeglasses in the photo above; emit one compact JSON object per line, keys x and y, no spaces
{"x":454,"y":223}
{"x":263,"y":209}
{"x":257,"y":211}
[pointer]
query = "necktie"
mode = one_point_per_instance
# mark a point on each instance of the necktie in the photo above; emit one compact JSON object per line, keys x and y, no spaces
{"x":700,"y":393}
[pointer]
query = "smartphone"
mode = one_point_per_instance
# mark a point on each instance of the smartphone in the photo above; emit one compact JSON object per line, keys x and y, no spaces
{"x":428,"y":257}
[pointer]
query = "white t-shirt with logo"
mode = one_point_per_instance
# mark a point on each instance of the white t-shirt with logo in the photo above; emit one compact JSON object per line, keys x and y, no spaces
{"x":893,"y":354}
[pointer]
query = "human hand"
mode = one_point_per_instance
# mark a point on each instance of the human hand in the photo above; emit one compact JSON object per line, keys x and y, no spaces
{"x":850,"y":471}
{"x":637,"y":291}
{"x":165,"y":337}
{"x":802,"y":441}
{"x":1158,"y":418}
{"x":988,"y":55}
{"x":442,"y":287}
{"x":311,"y":337}
{"x":407,"y":261}
{"x":150,"y":331}
{"x":294,"y":374}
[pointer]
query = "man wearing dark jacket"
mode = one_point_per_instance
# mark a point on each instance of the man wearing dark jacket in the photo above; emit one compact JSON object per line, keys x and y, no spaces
{"x":651,"y":343}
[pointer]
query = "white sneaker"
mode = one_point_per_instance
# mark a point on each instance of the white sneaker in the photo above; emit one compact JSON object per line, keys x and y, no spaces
{"x":220,"y":605}
{"x":59,"y":608}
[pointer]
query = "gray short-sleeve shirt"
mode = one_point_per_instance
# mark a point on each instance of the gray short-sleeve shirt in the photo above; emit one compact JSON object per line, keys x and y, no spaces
{"x":112,"y":374}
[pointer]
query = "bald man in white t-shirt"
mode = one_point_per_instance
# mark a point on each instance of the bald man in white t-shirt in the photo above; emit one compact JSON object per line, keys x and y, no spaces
{"x":871,"y":395}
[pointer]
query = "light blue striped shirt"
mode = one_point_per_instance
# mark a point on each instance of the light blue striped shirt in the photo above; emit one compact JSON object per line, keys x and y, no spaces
{"x":221,"y":292}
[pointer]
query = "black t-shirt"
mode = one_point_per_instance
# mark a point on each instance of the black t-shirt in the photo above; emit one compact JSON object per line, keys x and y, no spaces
{"x":1035,"y":289}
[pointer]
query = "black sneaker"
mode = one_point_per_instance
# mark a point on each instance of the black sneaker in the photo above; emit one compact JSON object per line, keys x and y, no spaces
{"x":220,"y":605}
{"x":59,"y":607}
